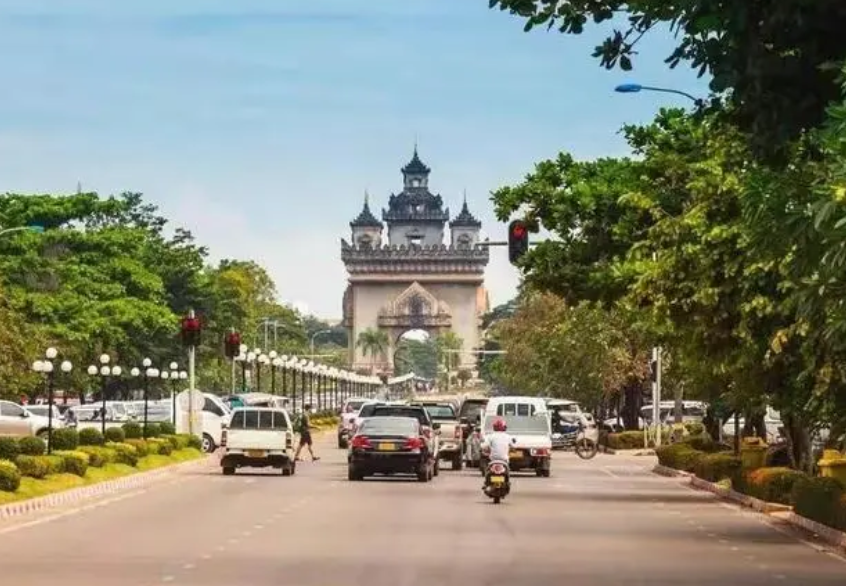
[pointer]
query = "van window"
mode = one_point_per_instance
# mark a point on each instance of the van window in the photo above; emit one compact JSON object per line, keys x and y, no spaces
{"x":515,"y":409}
{"x":213,"y":407}
{"x":249,"y":419}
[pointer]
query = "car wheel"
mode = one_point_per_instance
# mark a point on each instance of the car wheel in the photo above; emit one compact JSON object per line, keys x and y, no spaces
{"x":542,"y":473}
{"x":42,"y":434}
{"x":342,"y":444}
{"x":228,"y":470}
{"x":353,"y":474}
{"x":436,"y":469}
{"x":457,"y":462}
{"x":424,"y":473}
{"x":208,"y":444}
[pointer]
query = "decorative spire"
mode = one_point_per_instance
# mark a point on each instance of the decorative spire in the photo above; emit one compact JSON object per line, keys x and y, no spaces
{"x":415,"y":166}
{"x":464,"y":217}
{"x":366,"y":219}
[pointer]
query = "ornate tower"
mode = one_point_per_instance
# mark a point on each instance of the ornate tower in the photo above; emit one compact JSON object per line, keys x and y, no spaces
{"x":416,"y":280}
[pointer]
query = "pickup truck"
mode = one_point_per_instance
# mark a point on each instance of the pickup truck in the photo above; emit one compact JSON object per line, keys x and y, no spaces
{"x":258,"y":437}
{"x":451,"y":431}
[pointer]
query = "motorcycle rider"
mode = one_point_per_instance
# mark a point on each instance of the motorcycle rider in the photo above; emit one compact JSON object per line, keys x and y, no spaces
{"x":499,"y":443}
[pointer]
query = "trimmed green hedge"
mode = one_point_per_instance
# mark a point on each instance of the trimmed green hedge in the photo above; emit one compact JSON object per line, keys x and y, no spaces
{"x":680,"y":456}
{"x":820,"y":499}
{"x":32,"y":446}
{"x":98,"y":456}
{"x":124,"y":453}
{"x":774,"y":485}
{"x":74,"y":462}
{"x":91,"y":436}
{"x":10,"y":476}
{"x":132,"y":430}
{"x":66,"y":438}
{"x":9,"y":448}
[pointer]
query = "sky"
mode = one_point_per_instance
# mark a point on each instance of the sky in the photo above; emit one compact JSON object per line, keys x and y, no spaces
{"x":259,"y":124}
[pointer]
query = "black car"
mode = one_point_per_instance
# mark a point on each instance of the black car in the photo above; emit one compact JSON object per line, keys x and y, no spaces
{"x":389,"y":445}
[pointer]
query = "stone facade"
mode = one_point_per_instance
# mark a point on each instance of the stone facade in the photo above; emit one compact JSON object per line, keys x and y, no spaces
{"x":414,"y":280}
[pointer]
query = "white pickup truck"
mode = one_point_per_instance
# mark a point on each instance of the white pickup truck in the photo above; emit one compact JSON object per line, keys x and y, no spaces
{"x":258,"y":437}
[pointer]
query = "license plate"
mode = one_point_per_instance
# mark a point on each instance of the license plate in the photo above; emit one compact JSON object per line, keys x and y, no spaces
{"x":386,"y":447}
{"x":255,"y":453}
{"x":497,"y":479}
{"x":515,"y":454}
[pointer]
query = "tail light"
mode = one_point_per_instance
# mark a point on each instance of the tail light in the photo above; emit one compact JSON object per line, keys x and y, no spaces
{"x":457,"y":433}
{"x":361,"y":442}
{"x":223,"y":437}
{"x":289,"y":443}
{"x":414,"y":443}
{"x":540,"y":452}
{"x":497,"y":468}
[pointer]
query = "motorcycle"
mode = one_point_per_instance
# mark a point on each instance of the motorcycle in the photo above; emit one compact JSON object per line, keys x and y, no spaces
{"x":572,"y":437}
{"x":497,"y":481}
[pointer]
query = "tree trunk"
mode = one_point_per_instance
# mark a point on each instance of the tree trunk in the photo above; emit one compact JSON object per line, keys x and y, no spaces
{"x":799,"y":441}
{"x":632,"y":403}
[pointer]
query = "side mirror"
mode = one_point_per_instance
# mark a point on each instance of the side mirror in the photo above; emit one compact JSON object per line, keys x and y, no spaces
{"x":513,"y":440}
{"x":224,"y":425}
{"x":436,"y":426}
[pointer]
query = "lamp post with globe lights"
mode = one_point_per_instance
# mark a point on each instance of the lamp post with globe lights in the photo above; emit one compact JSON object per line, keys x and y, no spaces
{"x":275,"y":362}
{"x":242,"y":358}
{"x":47,"y":368}
{"x":147,"y":371}
{"x":261,"y":360}
{"x":310,"y":368}
{"x":105,"y":372}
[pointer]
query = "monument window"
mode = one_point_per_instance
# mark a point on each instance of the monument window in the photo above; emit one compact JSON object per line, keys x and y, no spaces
{"x":415,"y":182}
{"x":365,"y":242}
{"x":415,"y":240}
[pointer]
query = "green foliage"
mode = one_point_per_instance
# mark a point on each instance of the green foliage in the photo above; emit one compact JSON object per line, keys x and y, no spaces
{"x":774,"y":485}
{"x":160,"y":446}
{"x":98,"y":456}
{"x":10,"y":476}
{"x":32,"y":446}
{"x":153,"y":430}
{"x":141,"y":446}
{"x":374,"y":343}
{"x":37,"y":466}
{"x":719,"y":466}
{"x":131,"y":430}
{"x":774,"y":93}
{"x":66,"y":438}
{"x":115,"y":434}
{"x":178,"y":442}
{"x":627,"y":440}
{"x":124,"y":453}
{"x":9,"y":448}
{"x":166,"y":428}
{"x":419,"y":357}
{"x":193,"y":441}
{"x":821,"y":500}
{"x":73,"y":462}
{"x":90,"y":436}
{"x":679,"y":456}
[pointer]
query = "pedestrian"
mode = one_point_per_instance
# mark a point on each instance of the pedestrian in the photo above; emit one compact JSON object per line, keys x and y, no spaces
{"x":305,"y":435}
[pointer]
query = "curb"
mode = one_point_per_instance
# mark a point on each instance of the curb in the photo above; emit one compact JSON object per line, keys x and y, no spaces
{"x":635,"y":452}
{"x":96,"y":490}
{"x":739,"y":498}
{"x":828,"y":534}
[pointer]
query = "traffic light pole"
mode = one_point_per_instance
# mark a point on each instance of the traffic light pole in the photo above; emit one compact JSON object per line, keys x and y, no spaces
{"x":192,"y":368}
{"x":656,"y":394}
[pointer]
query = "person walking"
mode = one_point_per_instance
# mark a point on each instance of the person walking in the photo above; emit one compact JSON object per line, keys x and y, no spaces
{"x":305,"y":435}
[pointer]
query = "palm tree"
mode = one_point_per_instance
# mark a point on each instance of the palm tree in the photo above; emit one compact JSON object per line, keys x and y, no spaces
{"x":448,"y":343}
{"x":373,"y":342}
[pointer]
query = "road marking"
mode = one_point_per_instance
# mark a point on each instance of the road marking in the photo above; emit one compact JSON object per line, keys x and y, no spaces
{"x":780,"y":577}
{"x":188,"y":567}
{"x":167,"y":578}
{"x":232,"y":540}
{"x":714,"y":535}
{"x":258,"y":526}
{"x":723,"y":541}
{"x":206,"y":556}
{"x":609,"y":473}
{"x":247,"y":533}
{"x":249,"y":481}
{"x":735,"y":549}
{"x":220,"y":548}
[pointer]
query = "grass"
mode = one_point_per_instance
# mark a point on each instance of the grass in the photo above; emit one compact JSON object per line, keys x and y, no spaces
{"x":33,"y":488}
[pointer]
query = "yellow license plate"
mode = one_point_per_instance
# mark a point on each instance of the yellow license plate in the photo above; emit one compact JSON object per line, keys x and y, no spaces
{"x":255,"y":453}
{"x":386,"y":447}
{"x":515,"y":454}
{"x":497,"y":479}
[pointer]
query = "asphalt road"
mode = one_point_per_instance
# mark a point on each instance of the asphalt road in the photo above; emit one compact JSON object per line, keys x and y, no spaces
{"x":603,"y":522}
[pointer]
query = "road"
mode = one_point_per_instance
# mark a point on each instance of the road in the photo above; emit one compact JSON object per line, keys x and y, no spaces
{"x":604,"y":522}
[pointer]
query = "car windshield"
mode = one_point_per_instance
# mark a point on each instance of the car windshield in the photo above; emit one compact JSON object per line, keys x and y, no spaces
{"x":390,"y":411}
{"x":440,"y":411}
{"x":472,"y":409}
{"x":255,"y":419}
{"x":368,"y":409}
{"x":521,"y":425}
{"x":353,"y":406}
{"x":404,"y":426}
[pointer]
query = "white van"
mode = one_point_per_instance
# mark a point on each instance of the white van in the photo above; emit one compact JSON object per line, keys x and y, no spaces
{"x":215,"y":415}
{"x":529,"y":423}
{"x":515,"y":406}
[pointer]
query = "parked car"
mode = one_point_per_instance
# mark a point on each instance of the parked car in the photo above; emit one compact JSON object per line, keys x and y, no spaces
{"x":15,"y":420}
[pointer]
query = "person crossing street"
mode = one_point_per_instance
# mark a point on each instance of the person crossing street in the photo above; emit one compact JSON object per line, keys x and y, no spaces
{"x":305,"y":435}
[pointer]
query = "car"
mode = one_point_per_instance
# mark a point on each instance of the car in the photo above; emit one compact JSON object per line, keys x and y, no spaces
{"x":532,"y":447}
{"x":390,"y":445}
{"x":349,"y":412}
{"x":258,"y":437}
{"x":470,"y":415}
{"x":365,"y":411}
{"x":429,"y":429}
{"x":15,"y":420}
{"x":451,"y":444}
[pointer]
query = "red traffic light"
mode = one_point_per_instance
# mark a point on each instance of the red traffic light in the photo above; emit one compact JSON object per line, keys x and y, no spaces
{"x":518,"y":230}
{"x":233,"y":339}
{"x":191,"y":324}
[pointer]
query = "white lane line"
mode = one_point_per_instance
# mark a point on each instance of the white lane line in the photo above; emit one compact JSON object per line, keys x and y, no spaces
{"x":188,"y":567}
{"x":780,"y":577}
{"x":735,"y":548}
{"x":232,"y":541}
{"x":609,"y":473}
{"x":168,"y":578}
{"x":220,"y":548}
{"x":247,"y":533}
{"x":206,"y":556}
{"x":250,"y":481}
{"x":258,"y":526}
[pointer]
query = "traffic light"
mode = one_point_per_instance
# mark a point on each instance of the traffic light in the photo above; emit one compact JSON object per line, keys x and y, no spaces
{"x":518,"y":240}
{"x":191,"y":330}
{"x":232,"y":344}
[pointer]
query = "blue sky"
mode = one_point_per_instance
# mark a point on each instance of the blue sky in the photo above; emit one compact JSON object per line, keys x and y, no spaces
{"x":258,"y":124}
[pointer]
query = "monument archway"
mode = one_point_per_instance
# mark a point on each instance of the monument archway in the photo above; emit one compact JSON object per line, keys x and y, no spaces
{"x":414,"y":281}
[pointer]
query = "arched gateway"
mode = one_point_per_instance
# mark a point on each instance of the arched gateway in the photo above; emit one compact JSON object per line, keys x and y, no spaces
{"x":415,"y":281}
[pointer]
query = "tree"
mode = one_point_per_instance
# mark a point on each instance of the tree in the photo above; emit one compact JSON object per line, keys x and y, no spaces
{"x":419,"y":357}
{"x":772,"y":60}
{"x":373,"y":342}
{"x":448,"y":345}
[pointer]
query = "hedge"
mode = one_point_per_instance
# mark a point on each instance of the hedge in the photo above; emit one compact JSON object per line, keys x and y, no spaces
{"x":774,"y":485}
{"x":166,"y":428}
{"x":719,"y":466}
{"x":820,"y":499}
{"x":140,"y":446}
{"x":124,"y":453}
{"x":90,"y":436}
{"x":9,"y":448}
{"x":680,"y":456}
{"x":132,"y":430}
{"x":154,"y":429}
{"x":98,"y":456}
{"x":10,"y":476}
{"x":32,"y":446}
{"x":64,"y":438}
{"x":73,"y":462}
{"x":160,"y":445}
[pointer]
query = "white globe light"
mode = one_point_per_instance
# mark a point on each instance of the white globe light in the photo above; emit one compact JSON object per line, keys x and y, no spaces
{"x":257,"y":351}
{"x":104,"y":359}
{"x":244,"y":349}
{"x":47,"y":366}
{"x":164,"y":375}
{"x":116,"y":370}
{"x":284,"y":358}
{"x":146,"y":363}
{"x":38,"y":366}
{"x":174,"y":366}
{"x":105,"y":370}
{"x":51,"y":353}
{"x":183,"y":375}
{"x":135,"y":372}
{"x":67,"y":366}
{"x":92,"y":370}
{"x":310,"y":363}
{"x":153,"y":372}
{"x":251,"y":356}
{"x":273,"y":354}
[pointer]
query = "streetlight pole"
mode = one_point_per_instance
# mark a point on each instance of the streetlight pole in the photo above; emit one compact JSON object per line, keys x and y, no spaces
{"x":311,"y":342}
{"x":633,"y":88}
{"x":46,"y":367}
{"x":275,"y":362}
{"x":260,"y":361}
{"x":147,"y":372}
{"x":105,"y":371}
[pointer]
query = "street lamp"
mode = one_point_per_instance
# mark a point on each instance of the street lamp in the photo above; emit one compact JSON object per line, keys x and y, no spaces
{"x":147,"y":371}
{"x":260,"y":361}
{"x":633,"y":88}
{"x":105,"y":371}
{"x":275,"y":362}
{"x":313,"y":336}
{"x":46,"y":367}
